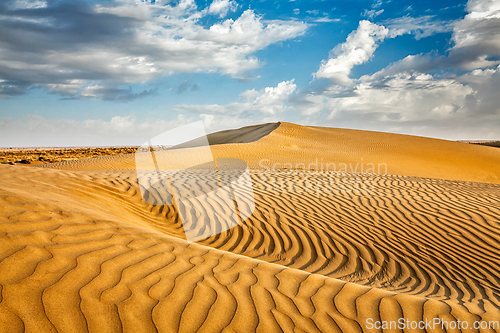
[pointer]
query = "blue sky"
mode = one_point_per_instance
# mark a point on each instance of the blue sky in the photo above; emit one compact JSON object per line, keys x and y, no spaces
{"x":119,"y":71}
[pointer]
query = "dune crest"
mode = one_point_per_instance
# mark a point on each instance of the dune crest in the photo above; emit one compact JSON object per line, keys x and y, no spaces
{"x":291,"y":146}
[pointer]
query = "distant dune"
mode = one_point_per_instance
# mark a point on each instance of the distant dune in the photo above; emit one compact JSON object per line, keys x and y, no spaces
{"x":495,"y":144}
{"x":242,"y":135}
{"x":291,"y":146}
{"x":330,"y":251}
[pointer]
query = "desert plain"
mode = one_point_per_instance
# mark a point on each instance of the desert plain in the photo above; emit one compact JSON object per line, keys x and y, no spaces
{"x":344,"y":231}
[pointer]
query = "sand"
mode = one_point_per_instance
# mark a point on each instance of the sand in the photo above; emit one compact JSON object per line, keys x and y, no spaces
{"x":80,"y":250}
{"x":293,"y":147}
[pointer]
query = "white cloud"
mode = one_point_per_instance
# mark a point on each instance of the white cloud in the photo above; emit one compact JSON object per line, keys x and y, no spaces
{"x":423,"y":26}
{"x":485,"y":100}
{"x":372,"y":13}
{"x":131,"y":42}
{"x":413,"y":63}
{"x":272,"y":100}
{"x":477,"y":36}
{"x":222,"y":7}
{"x":326,"y":19}
{"x":465,"y":107}
{"x":404,"y":97}
{"x":377,"y":4}
{"x":269,"y":101}
{"x":28,"y":4}
{"x":356,"y":50}
{"x":401,"y":97}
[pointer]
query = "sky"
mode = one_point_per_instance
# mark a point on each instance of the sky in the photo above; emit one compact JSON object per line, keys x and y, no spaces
{"x":118,"y":72}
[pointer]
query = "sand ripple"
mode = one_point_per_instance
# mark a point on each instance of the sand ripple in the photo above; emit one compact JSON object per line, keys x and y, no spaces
{"x":81,"y":251}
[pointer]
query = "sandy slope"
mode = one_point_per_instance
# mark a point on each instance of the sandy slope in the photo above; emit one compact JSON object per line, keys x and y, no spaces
{"x":342,"y":150}
{"x":323,"y":251}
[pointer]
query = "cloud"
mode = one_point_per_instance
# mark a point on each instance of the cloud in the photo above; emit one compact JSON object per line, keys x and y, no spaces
{"x":221,"y":7}
{"x":477,"y":36}
{"x":419,"y":63}
{"x":400,"y":97}
{"x":356,"y":50}
{"x":372,"y":13}
{"x":272,"y":100}
{"x":72,"y":48}
{"x":36,"y":131}
{"x":404,"y":97}
{"x":326,"y":19}
{"x":78,"y":89}
{"x":27,"y":4}
{"x":485,"y":99}
{"x":184,"y":86}
{"x":462,"y":107}
{"x":269,"y":101}
{"x":465,"y":107}
{"x":423,"y":26}
{"x":407,"y":96}
{"x":377,"y":4}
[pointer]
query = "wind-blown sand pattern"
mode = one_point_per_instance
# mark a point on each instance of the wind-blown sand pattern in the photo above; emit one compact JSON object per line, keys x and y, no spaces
{"x":80,"y":250}
{"x":303,"y":147}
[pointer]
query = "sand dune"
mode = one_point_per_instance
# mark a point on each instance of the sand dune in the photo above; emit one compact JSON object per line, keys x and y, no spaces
{"x":125,"y":266}
{"x":242,"y":135}
{"x":81,"y":250}
{"x":291,"y":146}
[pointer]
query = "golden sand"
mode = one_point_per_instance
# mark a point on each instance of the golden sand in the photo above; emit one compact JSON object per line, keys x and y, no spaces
{"x":81,"y":251}
{"x":340,"y":150}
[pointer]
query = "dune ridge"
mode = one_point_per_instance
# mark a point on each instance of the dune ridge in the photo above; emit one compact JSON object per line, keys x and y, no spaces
{"x":291,"y":146}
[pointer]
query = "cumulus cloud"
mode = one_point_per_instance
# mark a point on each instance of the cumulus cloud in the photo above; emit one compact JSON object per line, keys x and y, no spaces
{"x":407,"y":96}
{"x":475,"y":39}
{"x":222,"y":7}
{"x":485,"y":99}
{"x":89,"y":49}
{"x":357,"y":49}
{"x":465,"y":107}
{"x":269,"y":101}
{"x":404,"y":96}
{"x":477,"y":36}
